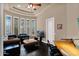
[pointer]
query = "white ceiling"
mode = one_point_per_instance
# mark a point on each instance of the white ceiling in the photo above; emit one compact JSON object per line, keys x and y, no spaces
{"x":22,"y":8}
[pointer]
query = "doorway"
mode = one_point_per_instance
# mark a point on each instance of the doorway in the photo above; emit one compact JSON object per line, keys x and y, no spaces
{"x":50,"y":32}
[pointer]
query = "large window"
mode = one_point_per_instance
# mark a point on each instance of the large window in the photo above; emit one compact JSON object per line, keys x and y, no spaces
{"x":27,"y":26}
{"x":33,"y":26}
{"x":8,"y":23}
{"x":22,"y":25}
{"x":16,"y":25}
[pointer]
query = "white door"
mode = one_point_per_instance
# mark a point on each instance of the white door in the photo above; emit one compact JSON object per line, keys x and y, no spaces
{"x":50,"y":35}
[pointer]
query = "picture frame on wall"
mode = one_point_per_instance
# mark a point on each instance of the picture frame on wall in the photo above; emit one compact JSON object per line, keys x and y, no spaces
{"x":59,"y":26}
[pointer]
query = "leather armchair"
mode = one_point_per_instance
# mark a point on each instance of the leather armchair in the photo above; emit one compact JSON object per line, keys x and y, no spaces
{"x":11,"y":47}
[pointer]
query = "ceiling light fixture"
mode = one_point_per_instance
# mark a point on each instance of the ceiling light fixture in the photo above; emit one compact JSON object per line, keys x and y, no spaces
{"x":34,"y":5}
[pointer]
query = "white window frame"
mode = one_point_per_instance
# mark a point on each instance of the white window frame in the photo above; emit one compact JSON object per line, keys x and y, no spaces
{"x":14,"y":22}
{"x":23,"y":26}
{"x":28,"y":26}
{"x":35,"y":25}
{"x":10,"y":25}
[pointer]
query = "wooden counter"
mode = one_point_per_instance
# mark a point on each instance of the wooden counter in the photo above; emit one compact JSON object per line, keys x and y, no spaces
{"x":68,"y":47}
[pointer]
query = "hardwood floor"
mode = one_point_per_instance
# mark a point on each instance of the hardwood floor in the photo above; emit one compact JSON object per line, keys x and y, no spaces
{"x":42,"y":50}
{"x":68,"y":47}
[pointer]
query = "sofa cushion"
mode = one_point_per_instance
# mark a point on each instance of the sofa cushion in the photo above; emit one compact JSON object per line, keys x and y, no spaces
{"x":11,"y":47}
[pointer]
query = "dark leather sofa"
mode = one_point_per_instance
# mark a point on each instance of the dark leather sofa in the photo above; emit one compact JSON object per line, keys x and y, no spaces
{"x":11,"y":47}
{"x":12,"y":36}
{"x":23,"y":37}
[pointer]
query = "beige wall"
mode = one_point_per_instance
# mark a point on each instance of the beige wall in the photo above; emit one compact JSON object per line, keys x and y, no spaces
{"x":72,"y":15}
{"x":65,"y":14}
{"x":0,"y":22}
{"x":57,"y":11}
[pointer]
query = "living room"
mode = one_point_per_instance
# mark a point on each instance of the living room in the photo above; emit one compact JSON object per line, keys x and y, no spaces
{"x":32,"y":21}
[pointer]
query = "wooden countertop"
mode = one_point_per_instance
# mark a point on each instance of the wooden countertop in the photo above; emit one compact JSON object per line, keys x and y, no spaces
{"x":68,"y":47}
